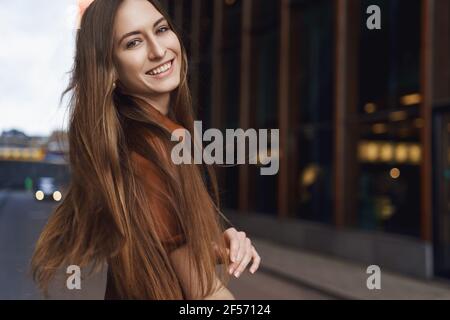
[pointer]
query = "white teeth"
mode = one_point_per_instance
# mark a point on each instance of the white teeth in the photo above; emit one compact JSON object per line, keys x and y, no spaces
{"x":161,"y":69}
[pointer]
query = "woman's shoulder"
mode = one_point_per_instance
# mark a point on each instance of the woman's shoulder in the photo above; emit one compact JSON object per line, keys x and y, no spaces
{"x":155,"y":189}
{"x":155,"y":141}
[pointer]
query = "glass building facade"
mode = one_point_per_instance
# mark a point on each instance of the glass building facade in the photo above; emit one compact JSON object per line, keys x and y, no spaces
{"x":364,"y":115}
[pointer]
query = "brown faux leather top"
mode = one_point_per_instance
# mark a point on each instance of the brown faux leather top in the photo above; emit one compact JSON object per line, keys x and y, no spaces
{"x":148,"y":176}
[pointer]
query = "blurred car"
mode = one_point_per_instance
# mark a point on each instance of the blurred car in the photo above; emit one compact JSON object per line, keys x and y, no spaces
{"x":46,"y":189}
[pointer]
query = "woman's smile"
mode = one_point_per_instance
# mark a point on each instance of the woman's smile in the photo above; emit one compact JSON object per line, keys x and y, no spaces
{"x":163,"y":70}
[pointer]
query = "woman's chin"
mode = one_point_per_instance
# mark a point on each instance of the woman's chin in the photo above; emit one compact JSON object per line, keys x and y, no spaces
{"x":164,"y":88}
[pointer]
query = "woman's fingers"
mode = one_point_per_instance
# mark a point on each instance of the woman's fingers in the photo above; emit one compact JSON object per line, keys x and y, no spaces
{"x":246,"y":258}
{"x":236,"y":240}
{"x":240,"y":240}
{"x":232,"y":236}
{"x":237,"y":249}
{"x":256,"y":260}
{"x":241,"y":252}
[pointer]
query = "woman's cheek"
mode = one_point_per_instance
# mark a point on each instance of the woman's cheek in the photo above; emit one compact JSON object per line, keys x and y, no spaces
{"x":175,"y":43}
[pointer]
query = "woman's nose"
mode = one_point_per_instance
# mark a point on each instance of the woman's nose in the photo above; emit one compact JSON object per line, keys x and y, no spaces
{"x":156,"y":50}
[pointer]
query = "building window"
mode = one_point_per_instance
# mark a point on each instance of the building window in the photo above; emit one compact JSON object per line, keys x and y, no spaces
{"x":265,"y":43}
{"x":389,"y":150}
{"x":230,"y":86}
{"x":312,"y":108}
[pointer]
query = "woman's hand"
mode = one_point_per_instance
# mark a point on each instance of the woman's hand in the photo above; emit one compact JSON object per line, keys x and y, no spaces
{"x":241,"y":252}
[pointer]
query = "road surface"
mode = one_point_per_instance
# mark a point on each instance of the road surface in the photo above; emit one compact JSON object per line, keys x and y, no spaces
{"x":21,"y":220}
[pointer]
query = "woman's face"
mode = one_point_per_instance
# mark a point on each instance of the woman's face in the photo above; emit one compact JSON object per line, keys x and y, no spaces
{"x":147,"y":53}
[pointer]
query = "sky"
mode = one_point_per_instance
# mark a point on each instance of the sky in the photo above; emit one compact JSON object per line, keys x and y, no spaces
{"x":37,"y":40}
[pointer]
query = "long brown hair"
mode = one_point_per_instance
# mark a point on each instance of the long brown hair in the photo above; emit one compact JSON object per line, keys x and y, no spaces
{"x":105,"y":216}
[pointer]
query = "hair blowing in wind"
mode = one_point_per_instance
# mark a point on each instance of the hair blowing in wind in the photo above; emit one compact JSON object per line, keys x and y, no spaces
{"x":105,"y":216}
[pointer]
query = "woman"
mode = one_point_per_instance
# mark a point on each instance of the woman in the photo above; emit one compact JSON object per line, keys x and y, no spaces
{"x":153,"y":222}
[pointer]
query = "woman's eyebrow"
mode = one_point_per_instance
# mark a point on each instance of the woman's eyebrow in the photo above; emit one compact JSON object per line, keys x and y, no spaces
{"x":138,"y":32}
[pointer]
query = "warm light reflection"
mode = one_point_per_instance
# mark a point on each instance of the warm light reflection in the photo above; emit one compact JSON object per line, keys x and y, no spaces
{"x":310,"y":175}
{"x":26,"y":153}
{"x":265,"y":157}
{"x":415,"y":153}
{"x":16,"y":153}
{"x":379,"y":128}
{"x":401,"y":153}
{"x":394,"y":173}
{"x":387,"y":152}
{"x":372,"y":151}
{"x":411,"y":99}
{"x":387,"y":210}
{"x":33,"y":154}
{"x":370,"y":107}
{"x":398,"y":116}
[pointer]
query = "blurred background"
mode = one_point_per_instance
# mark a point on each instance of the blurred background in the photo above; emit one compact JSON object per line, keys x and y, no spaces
{"x":364,"y":119}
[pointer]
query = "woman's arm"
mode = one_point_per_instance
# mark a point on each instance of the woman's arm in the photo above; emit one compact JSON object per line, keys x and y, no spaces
{"x":190,"y":281}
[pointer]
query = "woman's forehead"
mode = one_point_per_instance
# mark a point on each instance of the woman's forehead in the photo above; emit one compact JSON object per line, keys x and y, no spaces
{"x":134,"y":15}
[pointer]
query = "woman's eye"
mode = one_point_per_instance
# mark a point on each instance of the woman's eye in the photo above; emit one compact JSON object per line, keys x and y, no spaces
{"x":163,"y":29}
{"x":130,"y":44}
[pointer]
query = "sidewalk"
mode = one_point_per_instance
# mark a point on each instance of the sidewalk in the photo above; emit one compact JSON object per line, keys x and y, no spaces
{"x":340,"y":278}
{"x":3,"y":196}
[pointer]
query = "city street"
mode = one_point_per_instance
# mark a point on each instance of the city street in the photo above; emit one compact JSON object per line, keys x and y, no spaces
{"x":22,"y":218}
{"x":326,"y":125}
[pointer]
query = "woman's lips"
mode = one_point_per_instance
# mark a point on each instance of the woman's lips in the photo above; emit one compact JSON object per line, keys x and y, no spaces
{"x":165,"y":73}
